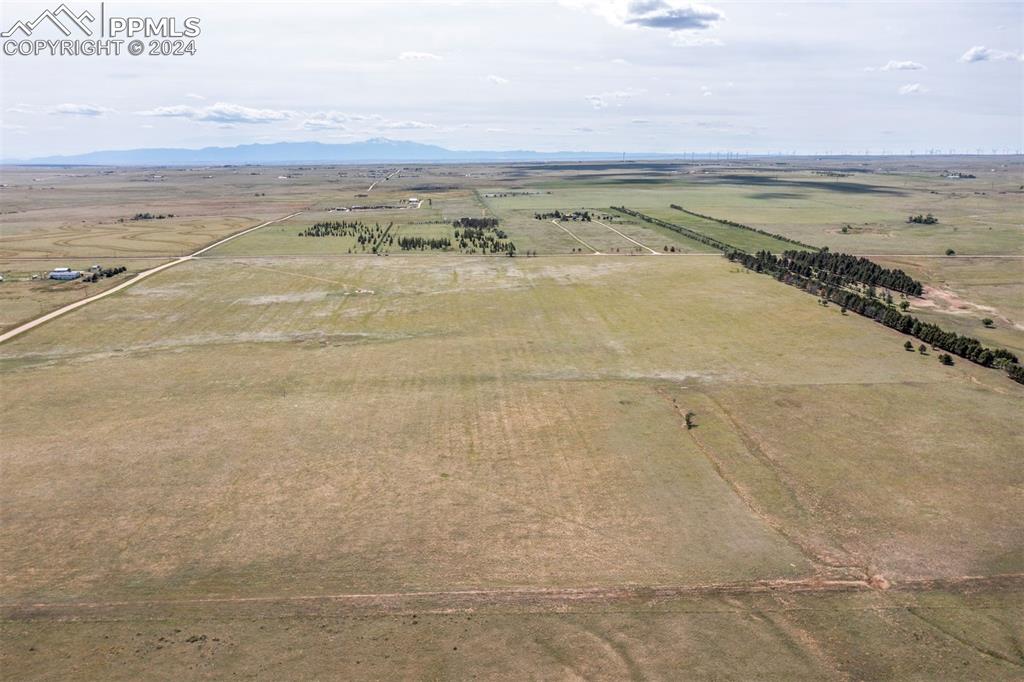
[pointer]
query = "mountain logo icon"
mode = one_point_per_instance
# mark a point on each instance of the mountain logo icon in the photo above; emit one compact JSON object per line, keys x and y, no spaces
{"x":54,"y":17}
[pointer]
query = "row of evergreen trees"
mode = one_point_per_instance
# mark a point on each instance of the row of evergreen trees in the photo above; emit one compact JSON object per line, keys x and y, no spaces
{"x":335,"y":228}
{"x":478,"y":223}
{"x":424,"y":243}
{"x":578,"y":216}
{"x":833,"y":269}
{"x":741,"y":226}
{"x":480,"y":233}
{"x":842,"y":268}
{"x":963,"y":346}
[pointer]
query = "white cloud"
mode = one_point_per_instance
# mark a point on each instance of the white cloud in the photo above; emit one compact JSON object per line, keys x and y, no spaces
{"x":192,"y":95}
{"x":220,"y":112}
{"x":330,"y":120}
{"x":358,"y":123}
{"x":80,"y":110}
{"x":980,"y":53}
{"x":497,"y":80}
{"x":894,"y":65}
{"x":912,"y":89}
{"x":412,"y":56}
{"x":616,"y":98}
{"x":705,"y":91}
{"x":407,"y":125}
{"x":669,"y":15}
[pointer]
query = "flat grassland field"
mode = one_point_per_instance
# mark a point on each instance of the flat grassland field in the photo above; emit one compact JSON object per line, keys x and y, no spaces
{"x":615,"y":455}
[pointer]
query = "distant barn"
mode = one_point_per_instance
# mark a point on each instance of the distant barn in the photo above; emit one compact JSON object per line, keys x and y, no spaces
{"x":64,"y":274}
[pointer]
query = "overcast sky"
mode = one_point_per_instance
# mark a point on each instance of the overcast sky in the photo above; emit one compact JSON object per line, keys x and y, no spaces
{"x":608,"y":75}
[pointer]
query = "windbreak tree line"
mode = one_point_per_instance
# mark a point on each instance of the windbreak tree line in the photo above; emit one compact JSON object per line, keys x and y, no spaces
{"x":335,"y":228}
{"x":478,"y":223}
{"x":685,"y":231}
{"x":883,"y":312}
{"x":424,"y":243}
{"x":577,"y":216}
{"x":839,"y":268}
{"x":741,"y":226}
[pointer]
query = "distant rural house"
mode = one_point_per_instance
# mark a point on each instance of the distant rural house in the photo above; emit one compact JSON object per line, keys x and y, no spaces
{"x":64,"y":274}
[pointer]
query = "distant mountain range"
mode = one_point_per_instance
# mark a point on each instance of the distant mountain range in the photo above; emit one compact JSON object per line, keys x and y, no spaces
{"x":373,"y":150}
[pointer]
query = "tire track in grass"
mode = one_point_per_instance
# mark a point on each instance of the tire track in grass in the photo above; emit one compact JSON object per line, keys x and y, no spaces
{"x":553,"y":599}
{"x":819,"y":559}
{"x":962,"y":639}
{"x":573,"y":235}
{"x":628,"y":238}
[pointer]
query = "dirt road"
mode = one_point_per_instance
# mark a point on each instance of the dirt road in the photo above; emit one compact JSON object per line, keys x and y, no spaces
{"x":17,"y":331}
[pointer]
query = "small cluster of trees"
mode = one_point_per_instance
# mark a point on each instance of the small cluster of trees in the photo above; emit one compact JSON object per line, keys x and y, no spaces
{"x":928,"y":219}
{"x":483,"y":235}
{"x":110,"y":272}
{"x":486,"y":240}
{"x":839,"y":268}
{"x":105,"y":272}
{"x":885,"y":313}
{"x":150,"y":216}
{"x":578,"y":216}
{"x":922,"y":349}
{"x":741,"y":226}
